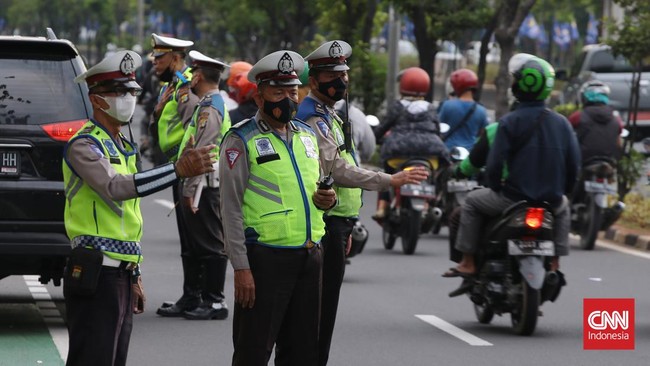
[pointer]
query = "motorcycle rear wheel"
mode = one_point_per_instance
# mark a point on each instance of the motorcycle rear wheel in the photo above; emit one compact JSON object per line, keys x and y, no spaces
{"x":410,"y":225}
{"x":592,"y":219}
{"x":524,"y":317}
{"x":388,"y":237}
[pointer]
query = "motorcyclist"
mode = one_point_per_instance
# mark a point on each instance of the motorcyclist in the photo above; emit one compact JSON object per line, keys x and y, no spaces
{"x":542,"y":157}
{"x":597,"y":127}
{"x":242,"y":91}
{"x":465,"y":117}
{"x":410,"y":129}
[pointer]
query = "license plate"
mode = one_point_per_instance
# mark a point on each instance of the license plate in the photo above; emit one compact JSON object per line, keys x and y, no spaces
{"x":9,"y":163}
{"x":418,"y":190}
{"x":600,"y":187}
{"x":462,"y":185}
{"x":531,"y":247}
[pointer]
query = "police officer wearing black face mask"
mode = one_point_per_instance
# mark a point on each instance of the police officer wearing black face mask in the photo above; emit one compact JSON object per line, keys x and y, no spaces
{"x":328,"y":79}
{"x":273,"y":221}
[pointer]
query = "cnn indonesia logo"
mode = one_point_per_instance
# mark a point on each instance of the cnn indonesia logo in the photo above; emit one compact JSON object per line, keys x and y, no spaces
{"x":608,"y":324}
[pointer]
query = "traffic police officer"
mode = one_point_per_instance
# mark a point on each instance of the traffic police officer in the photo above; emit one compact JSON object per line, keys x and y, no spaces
{"x":171,"y":116}
{"x":328,"y":79}
{"x":200,"y":205}
{"x":269,"y":169}
{"x":102,"y":215}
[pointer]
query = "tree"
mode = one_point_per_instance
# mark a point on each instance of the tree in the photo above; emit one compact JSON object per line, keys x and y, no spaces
{"x":631,"y":38}
{"x":442,"y":20}
{"x":507,"y":19}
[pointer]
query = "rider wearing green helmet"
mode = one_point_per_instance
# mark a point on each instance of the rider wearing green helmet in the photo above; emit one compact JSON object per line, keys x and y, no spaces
{"x":543,"y":159}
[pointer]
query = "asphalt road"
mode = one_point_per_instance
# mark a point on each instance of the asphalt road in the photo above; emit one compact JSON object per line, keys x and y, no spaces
{"x":394,"y":310}
{"x":378,"y":324}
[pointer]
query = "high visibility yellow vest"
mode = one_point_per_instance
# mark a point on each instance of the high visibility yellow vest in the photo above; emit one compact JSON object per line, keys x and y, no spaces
{"x":115,"y":227}
{"x":278,"y":208}
{"x":170,"y":126}
{"x":349,"y":200}
{"x":217,"y":102}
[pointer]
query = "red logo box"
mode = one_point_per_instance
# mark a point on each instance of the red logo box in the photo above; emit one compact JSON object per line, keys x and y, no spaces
{"x":608,"y":324}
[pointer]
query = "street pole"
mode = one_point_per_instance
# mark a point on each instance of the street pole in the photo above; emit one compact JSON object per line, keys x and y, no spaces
{"x":393,"y":56}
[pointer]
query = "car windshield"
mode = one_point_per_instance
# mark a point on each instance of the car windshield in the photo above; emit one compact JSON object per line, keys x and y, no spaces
{"x":614,"y":64}
{"x":39,"y":91}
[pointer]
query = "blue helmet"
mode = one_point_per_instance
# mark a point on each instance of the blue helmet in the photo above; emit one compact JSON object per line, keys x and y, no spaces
{"x":594,"y":92}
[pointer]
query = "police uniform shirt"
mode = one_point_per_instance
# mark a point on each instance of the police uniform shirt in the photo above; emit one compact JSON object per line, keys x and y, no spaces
{"x":234,"y":172}
{"x":88,"y":161}
{"x":344,"y":174}
{"x":208,"y":128}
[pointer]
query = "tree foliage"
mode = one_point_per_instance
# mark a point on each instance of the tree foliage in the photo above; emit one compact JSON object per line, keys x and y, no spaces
{"x":442,"y":20}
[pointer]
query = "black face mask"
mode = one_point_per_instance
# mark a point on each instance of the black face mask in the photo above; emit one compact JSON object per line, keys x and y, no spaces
{"x":167,"y":75}
{"x":283,"y":111}
{"x":334,"y":89}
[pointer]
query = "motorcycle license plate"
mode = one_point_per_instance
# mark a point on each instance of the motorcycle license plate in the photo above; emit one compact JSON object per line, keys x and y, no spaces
{"x":418,"y":190}
{"x":531,"y":247}
{"x":461,"y":185}
{"x":599,"y":187}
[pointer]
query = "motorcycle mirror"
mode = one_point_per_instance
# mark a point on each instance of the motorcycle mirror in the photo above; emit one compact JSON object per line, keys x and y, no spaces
{"x":444,"y":128}
{"x":625,"y":133}
{"x":459,"y":153}
{"x":372,"y":120}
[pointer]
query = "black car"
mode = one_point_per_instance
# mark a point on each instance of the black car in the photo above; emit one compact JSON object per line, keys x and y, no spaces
{"x":41,"y":107}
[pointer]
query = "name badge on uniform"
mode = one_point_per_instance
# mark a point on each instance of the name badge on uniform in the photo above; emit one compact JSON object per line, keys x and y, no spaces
{"x":265,"y":150}
{"x":339,"y":138}
{"x":310,"y":149}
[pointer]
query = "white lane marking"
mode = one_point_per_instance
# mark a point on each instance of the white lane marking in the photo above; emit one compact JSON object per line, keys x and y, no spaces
{"x":165,"y":203}
{"x":50,"y":313}
{"x":464,"y":336}
{"x":595,"y":279}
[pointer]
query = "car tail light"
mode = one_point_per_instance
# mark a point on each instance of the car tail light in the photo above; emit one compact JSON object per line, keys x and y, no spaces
{"x":62,"y":131}
{"x":534,"y":218}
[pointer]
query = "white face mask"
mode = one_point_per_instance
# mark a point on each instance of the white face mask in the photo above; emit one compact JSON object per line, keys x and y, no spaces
{"x":120,"y":108}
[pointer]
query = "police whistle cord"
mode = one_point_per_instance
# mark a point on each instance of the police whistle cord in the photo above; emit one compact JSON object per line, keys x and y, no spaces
{"x":138,"y":157}
{"x":347,"y":126}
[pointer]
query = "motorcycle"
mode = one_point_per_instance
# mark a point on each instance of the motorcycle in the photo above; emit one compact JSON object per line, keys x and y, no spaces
{"x":513,"y":267}
{"x":410,"y":212}
{"x":594,"y":205}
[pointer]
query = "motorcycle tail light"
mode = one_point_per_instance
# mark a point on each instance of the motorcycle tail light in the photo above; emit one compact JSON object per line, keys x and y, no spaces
{"x":534,"y":218}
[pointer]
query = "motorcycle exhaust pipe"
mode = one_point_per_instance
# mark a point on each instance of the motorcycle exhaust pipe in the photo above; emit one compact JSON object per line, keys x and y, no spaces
{"x":437,"y":213}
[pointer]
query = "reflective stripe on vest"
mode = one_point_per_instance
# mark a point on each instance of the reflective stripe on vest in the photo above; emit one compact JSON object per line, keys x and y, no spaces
{"x":115,"y":226}
{"x":278,"y":209}
{"x":170,"y":126}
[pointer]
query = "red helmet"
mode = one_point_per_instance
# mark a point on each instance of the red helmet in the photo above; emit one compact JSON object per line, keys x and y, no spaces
{"x":243,"y":89}
{"x":414,"y":82}
{"x":237,"y":68}
{"x":463,"y":80}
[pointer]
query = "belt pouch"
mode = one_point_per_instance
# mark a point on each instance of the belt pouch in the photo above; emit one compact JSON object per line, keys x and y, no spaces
{"x":82,"y":271}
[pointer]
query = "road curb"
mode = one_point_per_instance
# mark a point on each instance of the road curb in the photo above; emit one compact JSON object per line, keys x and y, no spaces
{"x":627,"y":237}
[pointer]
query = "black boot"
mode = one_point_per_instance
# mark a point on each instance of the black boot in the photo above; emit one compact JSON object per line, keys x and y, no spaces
{"x":191,"y":290}
{"x":214,"y":304}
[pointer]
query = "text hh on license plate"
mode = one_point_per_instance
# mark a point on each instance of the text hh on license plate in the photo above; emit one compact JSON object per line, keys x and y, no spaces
{"x":531,"y":247}
{"x":9,"y":163}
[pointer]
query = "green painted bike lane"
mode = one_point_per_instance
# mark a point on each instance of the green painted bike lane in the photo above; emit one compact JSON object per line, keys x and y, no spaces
{"x":24,"y":337}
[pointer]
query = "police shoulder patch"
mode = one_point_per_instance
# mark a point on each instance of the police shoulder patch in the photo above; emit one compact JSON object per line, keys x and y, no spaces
{"x":183,"y":95}
{"x":232,"y":155}
{"x":96,"y":150}
{"x":322,"y":126}
{"x":203,"y":119}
